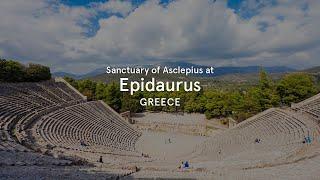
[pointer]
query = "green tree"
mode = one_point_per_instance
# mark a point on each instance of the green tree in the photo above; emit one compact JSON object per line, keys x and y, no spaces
{"x":216,"y":105}
{"x":87,"y":88}
{"x":37,"y":72}
{"x":194,"y":102}
{"x":101,"y":91}
{"x":113,"y":96}
{"x":2,"y":70}
{"x":131,"y":102}
{"x":266,"y":93}
{"x":12,"y":71}
{"x":296,"y":87}
{"x":265,"y":81}
{"x":72,"y":82}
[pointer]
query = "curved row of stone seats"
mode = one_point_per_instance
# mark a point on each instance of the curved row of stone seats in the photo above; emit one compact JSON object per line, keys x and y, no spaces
{"x":311,"y":106}
{"x":9,"y":145}
{"x":91,"y":123}
{"x":58,"y":170}
{"x":281,"y":133}
{"x":19,"y":113}
{"x":61,"y":90}
{"x":12,"y":121}
{"x":109,"y":113}
{"x":25,"y":98}
{"x":23,"y":103}
{"x":27,"y":158}
{"x":9,"y":117}
{"x":43,"y":93}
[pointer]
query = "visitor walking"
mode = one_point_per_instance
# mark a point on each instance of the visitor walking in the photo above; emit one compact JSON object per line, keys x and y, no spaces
{"x":100,"y":159}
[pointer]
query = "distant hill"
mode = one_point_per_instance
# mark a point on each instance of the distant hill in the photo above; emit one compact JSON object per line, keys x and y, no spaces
{"x":80,"y":76}
{"x":64,"y":74}
{"x":315,"y":70}
{"x":99,"y":74}
{"x":220,"y":71}
{"x":221,"y":78}
{"x":250,"y":69}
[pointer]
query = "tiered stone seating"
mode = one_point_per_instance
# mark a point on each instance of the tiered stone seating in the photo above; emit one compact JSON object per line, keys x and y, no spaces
{"x":38,"y":94}
{"x":22,"y":103}
{"x":16,"y":158}
{"x":281,"y":132}
{"x":311,"y":106}
{"x":62,"y":91}
{"x":90,"y":122}
{"x":64,"y":117}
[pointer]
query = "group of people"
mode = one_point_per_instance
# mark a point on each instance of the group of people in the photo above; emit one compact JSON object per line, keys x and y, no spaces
{"x":257,"y":140}
{"x":184,"y":165}
{"x":145,"y":155}
{"x":307,"y":140}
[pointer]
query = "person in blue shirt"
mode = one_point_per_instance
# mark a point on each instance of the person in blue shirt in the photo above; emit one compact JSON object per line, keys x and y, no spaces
{"x":309,"y":139}
{"x":186,"y":164}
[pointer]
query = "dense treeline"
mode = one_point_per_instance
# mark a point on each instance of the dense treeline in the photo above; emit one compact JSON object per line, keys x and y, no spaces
{"x":239,"y":104}
{"x":12,"y":71}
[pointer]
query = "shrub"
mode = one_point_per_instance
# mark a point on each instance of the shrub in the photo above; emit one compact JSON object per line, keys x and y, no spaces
{"x":12,"y":71}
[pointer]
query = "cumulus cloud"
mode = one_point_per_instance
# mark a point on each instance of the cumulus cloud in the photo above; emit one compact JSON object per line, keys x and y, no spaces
{"x":279,"y":32}
{"x":113,"y":6}
{"x":183,"y":30}
{"x":34,"y":31}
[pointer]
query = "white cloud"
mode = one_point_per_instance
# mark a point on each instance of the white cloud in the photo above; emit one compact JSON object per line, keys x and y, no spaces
{"x":114,"y":6}
{"x":197,"y":31}
{"x":34,"y":31}
{"x":185,"y":29}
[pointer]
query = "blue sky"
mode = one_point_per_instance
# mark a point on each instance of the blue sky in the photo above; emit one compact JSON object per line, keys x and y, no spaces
{"x":234,"y":4}
{"x":231,"y":3}
{"x":81,"y":35}
{"x":135,"y":2}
